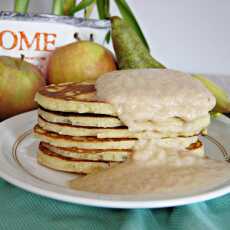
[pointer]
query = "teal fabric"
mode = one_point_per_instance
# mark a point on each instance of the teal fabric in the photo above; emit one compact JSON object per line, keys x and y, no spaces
{"x":22,"y":210}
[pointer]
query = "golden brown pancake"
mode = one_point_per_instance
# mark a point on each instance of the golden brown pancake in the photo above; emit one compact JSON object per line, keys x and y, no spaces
{"x":51,"y":160}
{"x":59,"y":140}
{"x":73,"y":97}
{"x":122,"y":131}
{"x":81,"y":131}
{"x":83,"y":142}
{"x":90,"y":154}
{"x":89,"y":120}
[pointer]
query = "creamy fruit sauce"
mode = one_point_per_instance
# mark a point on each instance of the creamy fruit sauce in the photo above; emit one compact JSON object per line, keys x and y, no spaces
{"x":154,"y":95}
{"x":174,"y":175}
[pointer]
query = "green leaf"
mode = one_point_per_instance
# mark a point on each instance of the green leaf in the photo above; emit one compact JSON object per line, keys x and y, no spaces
{"x":103,"y":8}
{"x":58,"y":7}
{"x":21,"y":6}
{"x":68,"y":6}
{"x":89,"y":10}
{"x":82,"y":5}
{"x":107,"y":37}
{"x":127,"y":14}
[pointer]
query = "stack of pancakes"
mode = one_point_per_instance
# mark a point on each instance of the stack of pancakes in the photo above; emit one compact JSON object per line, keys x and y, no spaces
{"x":78,"y":133}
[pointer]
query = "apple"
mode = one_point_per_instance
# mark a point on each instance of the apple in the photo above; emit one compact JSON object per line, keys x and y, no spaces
{"x":19,"y":81}
{"x":79,"y":61}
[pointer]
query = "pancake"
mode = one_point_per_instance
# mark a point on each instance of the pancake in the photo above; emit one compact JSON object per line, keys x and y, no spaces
{"x":90,"y":154}
{"x":59,"y":140}
{"x":80,"y":131}
{"x":110,"y":154}
{"x":161,"y":130}
{"x":73,"y":97}
{"x":89,"y":120}
{"x":81,"y":99}
{"x":83,"y":142}
{"x":51,"y":160}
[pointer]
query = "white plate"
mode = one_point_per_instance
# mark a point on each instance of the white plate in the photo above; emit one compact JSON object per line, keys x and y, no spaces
{"x":18,"y":166}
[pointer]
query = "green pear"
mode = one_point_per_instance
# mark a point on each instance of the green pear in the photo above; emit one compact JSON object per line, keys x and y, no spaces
{"x":19,"y":81}
{"x":222,"y":97}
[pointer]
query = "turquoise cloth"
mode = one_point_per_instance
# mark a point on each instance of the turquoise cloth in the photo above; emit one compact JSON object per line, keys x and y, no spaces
{"x":21,"y":210}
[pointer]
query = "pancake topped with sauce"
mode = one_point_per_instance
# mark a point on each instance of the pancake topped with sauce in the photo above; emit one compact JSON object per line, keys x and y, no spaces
{"x":173,"y":127}
{"x":78,"y":123}
{"x":145,"y":99}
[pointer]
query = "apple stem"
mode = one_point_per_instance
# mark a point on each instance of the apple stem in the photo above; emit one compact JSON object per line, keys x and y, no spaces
{"x":91,"y":38}
{"x":22,"y":57}
{"x":76,"y":36}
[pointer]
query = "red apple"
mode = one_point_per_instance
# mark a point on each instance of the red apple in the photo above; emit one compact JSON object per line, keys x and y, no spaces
{"x":19,"y":81}
{"x":79,"y":61}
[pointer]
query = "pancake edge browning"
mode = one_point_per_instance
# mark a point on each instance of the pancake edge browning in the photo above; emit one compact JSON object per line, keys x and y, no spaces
{"x":115,"y":132}
{"x":79,"y":119}
{"x":79,"y":131}
{"x":90,"y":154}
{"x":106,"y":143}
{"x":54,"y":161}
{"x":49,"y":159}
{"x":69,"y":97}
{"x":82,"y":142}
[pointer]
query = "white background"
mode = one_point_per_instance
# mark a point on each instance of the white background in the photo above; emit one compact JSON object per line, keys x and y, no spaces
{"x":190,"y":35}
